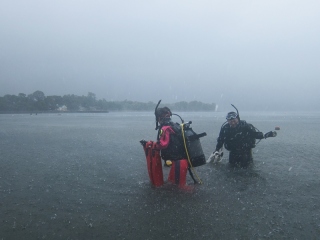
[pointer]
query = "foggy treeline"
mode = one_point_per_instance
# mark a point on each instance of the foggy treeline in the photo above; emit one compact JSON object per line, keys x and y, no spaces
{"x":38,"y":102}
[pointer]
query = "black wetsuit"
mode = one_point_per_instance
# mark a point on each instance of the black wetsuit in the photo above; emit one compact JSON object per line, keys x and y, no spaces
{"x":239,"y":141}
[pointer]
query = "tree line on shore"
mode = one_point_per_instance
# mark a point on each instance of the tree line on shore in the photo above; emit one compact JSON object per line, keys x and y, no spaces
{"x":38,"y":102}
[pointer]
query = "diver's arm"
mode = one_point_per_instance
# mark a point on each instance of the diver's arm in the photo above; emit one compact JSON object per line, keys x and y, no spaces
{"x":259,"y":135}
{"x":164,"y":137}
{"x":255,"y":132}
{"x":220,"y":141}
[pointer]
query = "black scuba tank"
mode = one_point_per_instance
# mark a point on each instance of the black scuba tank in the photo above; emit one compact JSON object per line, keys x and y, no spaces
{"x":193,"y":144}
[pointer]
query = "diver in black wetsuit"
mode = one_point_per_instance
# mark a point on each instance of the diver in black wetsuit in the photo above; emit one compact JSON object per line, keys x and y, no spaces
{"x":238,"y":137}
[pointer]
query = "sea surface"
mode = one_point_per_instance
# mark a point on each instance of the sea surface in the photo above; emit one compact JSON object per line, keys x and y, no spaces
{"x":84,"y":176}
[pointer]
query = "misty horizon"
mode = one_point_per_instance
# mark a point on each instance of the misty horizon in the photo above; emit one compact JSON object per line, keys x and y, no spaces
{"x":256,"y":55}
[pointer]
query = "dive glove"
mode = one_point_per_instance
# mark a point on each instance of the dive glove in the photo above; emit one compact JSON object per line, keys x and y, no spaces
{"x":270,"y":134}
{"x":143,"y":142}
{"x":215,"y":157}
{"x":211,"y":157}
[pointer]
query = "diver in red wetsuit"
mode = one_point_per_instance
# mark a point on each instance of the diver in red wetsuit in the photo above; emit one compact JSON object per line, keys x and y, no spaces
{"x":172,"y":149}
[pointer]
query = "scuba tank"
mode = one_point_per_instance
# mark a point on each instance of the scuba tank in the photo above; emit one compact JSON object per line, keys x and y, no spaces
{"x":192,"y":145}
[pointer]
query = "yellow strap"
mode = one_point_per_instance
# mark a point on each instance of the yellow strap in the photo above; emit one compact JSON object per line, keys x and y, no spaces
{"x":185,"y":147}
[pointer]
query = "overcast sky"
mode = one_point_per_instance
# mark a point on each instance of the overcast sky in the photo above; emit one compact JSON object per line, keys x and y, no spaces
{"x":255,"y":54}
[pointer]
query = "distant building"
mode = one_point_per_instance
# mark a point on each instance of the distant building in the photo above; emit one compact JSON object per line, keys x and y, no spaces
{"x":63,"y":108}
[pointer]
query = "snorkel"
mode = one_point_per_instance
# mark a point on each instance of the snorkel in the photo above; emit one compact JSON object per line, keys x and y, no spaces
{"x":237,"y":111}
{"x":155,"y":113}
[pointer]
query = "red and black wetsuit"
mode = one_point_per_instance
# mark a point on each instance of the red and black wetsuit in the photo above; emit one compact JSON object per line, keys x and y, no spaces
{"x":171,"y":144}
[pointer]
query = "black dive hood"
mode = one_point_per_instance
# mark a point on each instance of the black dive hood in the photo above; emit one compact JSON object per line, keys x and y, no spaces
{"x":155,"y":113}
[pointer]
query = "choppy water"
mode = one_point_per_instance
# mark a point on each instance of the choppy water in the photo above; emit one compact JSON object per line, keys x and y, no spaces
{"x":83,"y":176}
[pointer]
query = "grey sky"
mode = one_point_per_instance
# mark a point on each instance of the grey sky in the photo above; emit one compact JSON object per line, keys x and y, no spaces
{"x":255,"y":54}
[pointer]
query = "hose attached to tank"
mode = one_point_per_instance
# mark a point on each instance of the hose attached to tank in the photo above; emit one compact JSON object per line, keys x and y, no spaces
{"x":185,"y":146}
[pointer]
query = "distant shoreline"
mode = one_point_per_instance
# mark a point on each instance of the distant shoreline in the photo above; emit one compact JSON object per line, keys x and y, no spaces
{"x":39,"y":112}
